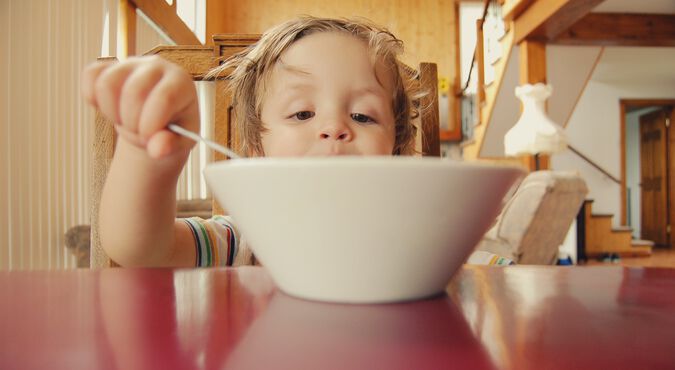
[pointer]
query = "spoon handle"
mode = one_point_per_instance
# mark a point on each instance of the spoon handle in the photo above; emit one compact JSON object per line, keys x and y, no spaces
{"x":213,"y":145}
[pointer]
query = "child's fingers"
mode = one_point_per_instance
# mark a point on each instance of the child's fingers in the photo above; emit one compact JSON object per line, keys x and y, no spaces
{"x":173,"y":99}
{"x":129,"y":136}
{"x":108,"y":87}
{"x":88,"y":80}
{"x":165,"y":143}
{"x":134,"y":92}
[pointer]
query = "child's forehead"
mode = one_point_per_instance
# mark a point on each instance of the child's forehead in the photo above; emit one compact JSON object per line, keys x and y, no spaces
{"x":312,"y":44}
{"x":333,"y":52}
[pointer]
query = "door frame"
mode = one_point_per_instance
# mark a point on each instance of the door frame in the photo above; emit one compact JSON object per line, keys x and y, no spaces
{"x":623,"y":104}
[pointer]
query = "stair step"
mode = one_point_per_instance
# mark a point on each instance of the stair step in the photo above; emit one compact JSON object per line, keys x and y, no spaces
{"x":507,"y":28}
{"x":602,"y":215}
{"x":636,"y":252}
{"x":632,"y":251}
{"x":641,"y":243}
{"x":467,"y":142}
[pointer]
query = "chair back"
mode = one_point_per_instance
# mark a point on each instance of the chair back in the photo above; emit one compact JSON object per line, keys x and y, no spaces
{"x":535,"y":220}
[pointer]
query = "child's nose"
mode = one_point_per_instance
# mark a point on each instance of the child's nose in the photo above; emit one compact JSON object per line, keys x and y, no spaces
{"x":336,"y":130}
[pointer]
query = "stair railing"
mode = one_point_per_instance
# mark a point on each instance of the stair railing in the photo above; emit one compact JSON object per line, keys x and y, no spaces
{"x":489,"y":30}
{"x":595,"y":165}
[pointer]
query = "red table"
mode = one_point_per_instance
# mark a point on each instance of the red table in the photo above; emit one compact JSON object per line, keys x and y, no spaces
{"x":515,"y":318}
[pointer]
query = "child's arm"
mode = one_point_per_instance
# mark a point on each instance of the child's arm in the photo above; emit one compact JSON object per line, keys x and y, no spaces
{"x":138,"y":206}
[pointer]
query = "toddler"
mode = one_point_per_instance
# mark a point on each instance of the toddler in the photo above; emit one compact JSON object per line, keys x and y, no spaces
{"x":309,"y":87}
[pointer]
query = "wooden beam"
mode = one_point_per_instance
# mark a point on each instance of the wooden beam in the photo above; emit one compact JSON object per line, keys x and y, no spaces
{"x":532,"y":67}
{"x":512,"y":9}
{"x":532,"y":62}
{"x":546,"y":19}
{"x":455,"y":101}
{"x":126,"y":29}
{"x":621,"y":29}
{"x":165,"y":17}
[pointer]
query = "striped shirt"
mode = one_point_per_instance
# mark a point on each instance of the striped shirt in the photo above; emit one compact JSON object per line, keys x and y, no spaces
{"x":487,"y":258}
{"x":218,"y":243}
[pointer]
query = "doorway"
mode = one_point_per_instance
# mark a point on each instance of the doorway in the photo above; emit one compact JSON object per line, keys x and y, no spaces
{"x":648,"y":169}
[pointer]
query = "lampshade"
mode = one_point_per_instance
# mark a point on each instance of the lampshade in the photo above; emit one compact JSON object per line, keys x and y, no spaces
{"x":534,"y":133}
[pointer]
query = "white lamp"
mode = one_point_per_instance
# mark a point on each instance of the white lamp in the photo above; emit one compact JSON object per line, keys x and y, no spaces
{"x":534,"y":133}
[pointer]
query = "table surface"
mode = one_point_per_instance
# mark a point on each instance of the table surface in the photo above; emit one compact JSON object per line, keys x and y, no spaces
{"x":516,"y":317}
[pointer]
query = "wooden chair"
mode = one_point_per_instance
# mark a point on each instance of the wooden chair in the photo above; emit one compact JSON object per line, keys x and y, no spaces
{"x":536,"y":219}
{"x":198,"y":61}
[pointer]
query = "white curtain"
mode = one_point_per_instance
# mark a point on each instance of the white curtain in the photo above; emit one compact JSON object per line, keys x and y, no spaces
{"x":45,"y":126}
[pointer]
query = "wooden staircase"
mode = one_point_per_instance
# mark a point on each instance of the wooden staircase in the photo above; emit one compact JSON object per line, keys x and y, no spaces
{"x":601,"y":238}
{"x":487,"y":94}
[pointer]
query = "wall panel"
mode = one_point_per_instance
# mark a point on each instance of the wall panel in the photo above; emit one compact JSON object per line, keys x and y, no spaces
{"x":425,"y":26}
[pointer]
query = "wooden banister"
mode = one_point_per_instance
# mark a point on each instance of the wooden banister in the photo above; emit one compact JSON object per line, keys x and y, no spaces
{"x":126,"y":29}
{"x":595,"y":165}
{"x":162,"y":14}
{"x":480,"y":60}
{"x":166,"y":18}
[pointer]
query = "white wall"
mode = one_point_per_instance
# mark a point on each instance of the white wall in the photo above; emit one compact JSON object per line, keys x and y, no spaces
{"x":593,"y":128}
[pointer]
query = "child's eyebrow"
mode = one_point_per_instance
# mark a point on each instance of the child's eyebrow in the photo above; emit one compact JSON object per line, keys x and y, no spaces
{"x":379,"y":92}
{"x":294,"y":69}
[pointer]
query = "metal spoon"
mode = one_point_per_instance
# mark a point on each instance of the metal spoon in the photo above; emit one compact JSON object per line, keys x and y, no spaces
{"x":213,"y":145}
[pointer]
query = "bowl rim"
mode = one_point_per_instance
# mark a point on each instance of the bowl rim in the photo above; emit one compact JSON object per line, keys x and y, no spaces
{"x":361,"y":161}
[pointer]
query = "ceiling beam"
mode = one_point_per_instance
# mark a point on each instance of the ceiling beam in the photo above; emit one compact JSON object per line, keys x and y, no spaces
{"x":620,"y":29}
{"x":513,"y":8}
{"x":546,"y":19}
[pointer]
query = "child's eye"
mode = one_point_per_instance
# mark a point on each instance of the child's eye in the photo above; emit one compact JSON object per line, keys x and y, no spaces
{"x":303,"y":116}
{"x":362,"y":118}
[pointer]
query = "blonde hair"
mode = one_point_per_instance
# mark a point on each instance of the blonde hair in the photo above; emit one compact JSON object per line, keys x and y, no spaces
{"x":251,"y":69}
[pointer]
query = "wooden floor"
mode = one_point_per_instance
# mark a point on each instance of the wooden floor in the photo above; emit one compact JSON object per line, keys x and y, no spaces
{"x":661,"y":257}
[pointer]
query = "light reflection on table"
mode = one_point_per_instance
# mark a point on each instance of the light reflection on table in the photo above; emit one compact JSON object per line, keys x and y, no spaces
{"x":516,"y":317}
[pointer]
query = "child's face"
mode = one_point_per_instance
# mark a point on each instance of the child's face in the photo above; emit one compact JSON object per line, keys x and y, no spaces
{"x":325,"y":97}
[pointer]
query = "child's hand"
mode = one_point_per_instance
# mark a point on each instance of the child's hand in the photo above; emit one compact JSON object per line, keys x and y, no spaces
{"x":142,"y":95}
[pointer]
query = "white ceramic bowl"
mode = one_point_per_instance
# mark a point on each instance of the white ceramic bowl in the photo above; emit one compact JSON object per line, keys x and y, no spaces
{"x":361,"y":229}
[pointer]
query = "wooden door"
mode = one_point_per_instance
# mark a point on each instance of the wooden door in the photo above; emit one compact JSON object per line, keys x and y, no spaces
{"x":654,"y":177}
{"x":670,"y":118}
